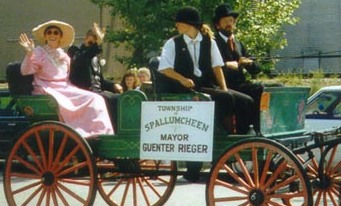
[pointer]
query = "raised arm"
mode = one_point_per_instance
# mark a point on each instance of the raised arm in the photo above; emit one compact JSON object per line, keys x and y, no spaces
{"x":27,"y":66}
{"x":26,"y":43}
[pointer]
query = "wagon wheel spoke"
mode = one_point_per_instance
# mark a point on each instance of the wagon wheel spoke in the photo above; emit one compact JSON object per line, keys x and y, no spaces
{"x":33,"y":155}
{"x":326,"y":185}
{"x":311,"y":168}
{"x":152,"y":187}
{"x":277,"y":177}
{"x":144,"y":192}
{"x":329,"y":166}
{"x":266,"y":167}
{"x":125,"y":193}
{"x":72,"y":169}
{"x":61,"y":196}
{"x":148,"y":182}
{"x":237,"y":178}
{"x":27,"y":187}
{"x":279,"y":169}
{"x":72,"y":193}
{"x":232,"y":187}
{"x":41,"y":148}
{"x":50,"y":151}
{"x":67,"y":159}
{"x":29,"y":199}
{"x":245,"y":171}
{"x":28,"y":165}
{"x":40,"y":171}
{"x":60,"y":152}
{"x":255,"y":166}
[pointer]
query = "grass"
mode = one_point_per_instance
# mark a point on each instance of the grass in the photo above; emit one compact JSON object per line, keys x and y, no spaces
{"x":315,"y":80}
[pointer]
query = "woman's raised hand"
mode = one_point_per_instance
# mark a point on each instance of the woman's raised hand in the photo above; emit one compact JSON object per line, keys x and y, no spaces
{"x":26,"y":42}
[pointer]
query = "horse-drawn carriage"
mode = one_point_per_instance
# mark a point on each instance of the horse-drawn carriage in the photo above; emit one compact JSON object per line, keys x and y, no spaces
{"x":49,"y":163}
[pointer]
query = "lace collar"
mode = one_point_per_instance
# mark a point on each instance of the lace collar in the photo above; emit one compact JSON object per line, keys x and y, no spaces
{"x":55,"y":55}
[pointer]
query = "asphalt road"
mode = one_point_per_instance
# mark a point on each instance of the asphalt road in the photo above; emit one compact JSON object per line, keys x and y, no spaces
{"x":184,"y":194}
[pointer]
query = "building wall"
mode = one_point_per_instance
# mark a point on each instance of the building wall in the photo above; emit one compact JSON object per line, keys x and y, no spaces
{"x":18,"y":16}
{"x":318,"y":32}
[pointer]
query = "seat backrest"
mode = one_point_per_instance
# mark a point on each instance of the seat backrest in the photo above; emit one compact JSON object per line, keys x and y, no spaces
{"x":18,"y":83}
{"x":129,"y":112}
{"x":38,"y":107}
{"x":35,"y":108}
{"x":162,"y":83}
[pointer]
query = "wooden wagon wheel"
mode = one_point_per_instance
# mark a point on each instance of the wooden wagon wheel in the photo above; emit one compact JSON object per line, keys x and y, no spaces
{"x":50,"y":164}
{"x":324,"y":170}
{"x":137,"y":182}
{"x":275,"y":178}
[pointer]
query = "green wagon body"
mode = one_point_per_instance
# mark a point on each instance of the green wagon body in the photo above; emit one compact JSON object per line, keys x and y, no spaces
{"x":277,"y":153}
{"x":282,"y":115}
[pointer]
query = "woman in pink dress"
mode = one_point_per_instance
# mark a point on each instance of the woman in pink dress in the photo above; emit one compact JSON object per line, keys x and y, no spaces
{"x":84,"y":111}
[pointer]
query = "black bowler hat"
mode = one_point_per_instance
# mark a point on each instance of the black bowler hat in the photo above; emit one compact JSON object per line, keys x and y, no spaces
{"x":223,"y":10}
{"x":189,"y":15}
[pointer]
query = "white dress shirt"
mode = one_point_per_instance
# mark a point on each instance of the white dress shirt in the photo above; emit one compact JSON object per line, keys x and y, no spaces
{"x":225,"y":38}
{"x":168,"y":54}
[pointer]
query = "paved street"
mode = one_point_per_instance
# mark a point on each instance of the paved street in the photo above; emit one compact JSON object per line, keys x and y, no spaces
{"x":184,"y":194}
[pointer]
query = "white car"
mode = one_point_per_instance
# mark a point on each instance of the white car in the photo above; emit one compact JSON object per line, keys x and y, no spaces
{"x":324,"y":113}
{"x":324,"y":109}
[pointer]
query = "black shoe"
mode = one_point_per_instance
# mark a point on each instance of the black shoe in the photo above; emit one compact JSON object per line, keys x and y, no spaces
{"x":191,"y":178}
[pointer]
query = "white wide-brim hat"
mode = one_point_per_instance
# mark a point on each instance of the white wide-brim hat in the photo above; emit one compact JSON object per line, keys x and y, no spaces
{"x":68,"y":32}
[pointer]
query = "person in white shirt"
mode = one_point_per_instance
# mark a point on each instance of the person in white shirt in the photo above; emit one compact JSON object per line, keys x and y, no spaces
{"x":191,"y":61}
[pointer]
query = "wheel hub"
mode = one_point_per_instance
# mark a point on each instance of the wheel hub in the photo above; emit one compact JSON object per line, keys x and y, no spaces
{"x":48,"y":178}
{"x":325,"y":183}
{"x":256,"y":197}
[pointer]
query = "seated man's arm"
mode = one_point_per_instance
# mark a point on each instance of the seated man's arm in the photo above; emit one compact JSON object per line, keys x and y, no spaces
{"x":186,"y":82}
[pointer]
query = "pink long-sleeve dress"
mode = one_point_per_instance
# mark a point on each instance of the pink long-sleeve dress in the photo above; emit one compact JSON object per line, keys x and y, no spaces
{"x":83,"y":110}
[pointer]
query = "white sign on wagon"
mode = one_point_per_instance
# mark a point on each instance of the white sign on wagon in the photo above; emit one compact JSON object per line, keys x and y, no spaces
{"x":177,"y":130}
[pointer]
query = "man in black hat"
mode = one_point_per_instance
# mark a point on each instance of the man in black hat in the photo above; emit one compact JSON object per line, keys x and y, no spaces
{"x":236,"y":58}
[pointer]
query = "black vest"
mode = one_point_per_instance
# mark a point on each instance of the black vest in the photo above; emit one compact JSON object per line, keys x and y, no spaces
{"x":183,"y":63}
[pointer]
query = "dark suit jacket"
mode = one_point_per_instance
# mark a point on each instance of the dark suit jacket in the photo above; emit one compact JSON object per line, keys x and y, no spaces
{"x":86,"y":71}
{"x":235,"y":77}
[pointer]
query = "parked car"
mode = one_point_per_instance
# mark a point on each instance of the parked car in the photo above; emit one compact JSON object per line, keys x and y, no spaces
{"x":324,"y":113}
{"x":324,"y":109}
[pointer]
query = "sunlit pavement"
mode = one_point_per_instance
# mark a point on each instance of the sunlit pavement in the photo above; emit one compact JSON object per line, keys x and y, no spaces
{"x":184,"y":194}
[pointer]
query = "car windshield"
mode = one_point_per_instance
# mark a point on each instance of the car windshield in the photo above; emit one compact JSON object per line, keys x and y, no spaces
{"x":325,"y":106}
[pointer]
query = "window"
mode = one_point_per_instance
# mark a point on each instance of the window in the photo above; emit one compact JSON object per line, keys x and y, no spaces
{"x":325,"y":106}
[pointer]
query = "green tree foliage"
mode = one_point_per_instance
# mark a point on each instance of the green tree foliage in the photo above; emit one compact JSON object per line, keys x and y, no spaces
{"x":148,"y":23}
{"x":261,"y":26}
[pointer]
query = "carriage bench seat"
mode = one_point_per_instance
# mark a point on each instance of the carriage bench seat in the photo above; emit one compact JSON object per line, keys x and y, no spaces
{"x":37,"y":107}
{"x":34,"y":107}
